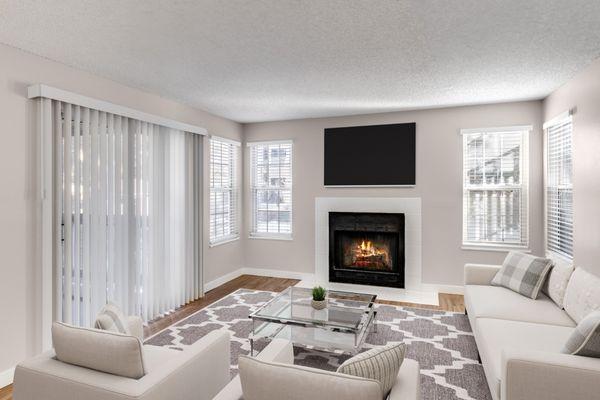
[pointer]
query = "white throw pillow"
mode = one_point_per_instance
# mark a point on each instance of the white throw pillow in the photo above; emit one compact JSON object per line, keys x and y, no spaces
{"x":381,"y":364}
{"x":112,"y":319}
{"x":104,"y":351}
{"x":582,"y":295}
{"x":557,"y":281}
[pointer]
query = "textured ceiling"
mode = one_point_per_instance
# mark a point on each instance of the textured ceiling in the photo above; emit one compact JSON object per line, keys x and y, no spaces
{"x":281,"y":59}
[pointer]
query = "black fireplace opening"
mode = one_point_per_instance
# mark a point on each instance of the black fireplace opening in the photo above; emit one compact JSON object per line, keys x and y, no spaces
{"x":366,"y":248}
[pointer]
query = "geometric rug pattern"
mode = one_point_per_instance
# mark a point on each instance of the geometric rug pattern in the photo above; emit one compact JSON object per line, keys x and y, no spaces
{"x":441,"y":341}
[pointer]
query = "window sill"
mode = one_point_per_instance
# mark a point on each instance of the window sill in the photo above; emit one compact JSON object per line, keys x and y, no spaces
{"x":224,"y":241}
{"x":271,"y":237}
{"x":491,"y":247}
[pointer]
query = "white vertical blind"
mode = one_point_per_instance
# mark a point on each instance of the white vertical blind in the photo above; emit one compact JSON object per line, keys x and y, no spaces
{"x":271,"y":181}
{"x":495,"y":188}
{"x":559,"y":187}
{"x":127,"y":214}
{"x":224,"y":190}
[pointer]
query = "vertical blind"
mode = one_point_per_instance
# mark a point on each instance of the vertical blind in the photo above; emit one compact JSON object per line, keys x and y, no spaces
{"x":495,"y":187}
{"x":271,"y":188}
{"x":127,"y":214}
{"x":559,"y":187}
{"x":224,"y":191}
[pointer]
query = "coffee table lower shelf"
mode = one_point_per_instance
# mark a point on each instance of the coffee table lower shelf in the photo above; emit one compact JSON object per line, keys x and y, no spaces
{"x":320,"y":338}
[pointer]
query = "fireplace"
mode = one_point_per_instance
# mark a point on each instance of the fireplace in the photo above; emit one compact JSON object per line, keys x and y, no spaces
{"x":366,"y":248}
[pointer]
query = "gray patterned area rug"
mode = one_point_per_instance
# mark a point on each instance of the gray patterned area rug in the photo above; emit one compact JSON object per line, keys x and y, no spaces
{"x":440,"y":341}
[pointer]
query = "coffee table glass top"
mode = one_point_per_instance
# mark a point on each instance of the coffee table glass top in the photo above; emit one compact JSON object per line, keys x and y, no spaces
{"x":344,"y":310}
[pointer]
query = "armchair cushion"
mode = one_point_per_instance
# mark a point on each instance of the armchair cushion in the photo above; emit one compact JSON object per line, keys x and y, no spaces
{"x":100,"y":350}
{"x":263,"y":380}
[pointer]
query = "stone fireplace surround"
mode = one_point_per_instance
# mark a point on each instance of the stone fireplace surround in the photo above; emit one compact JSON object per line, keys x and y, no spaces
{"x":411,"y":208}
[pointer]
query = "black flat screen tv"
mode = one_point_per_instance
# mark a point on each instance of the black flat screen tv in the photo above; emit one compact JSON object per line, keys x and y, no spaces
{"x":377,"y":155}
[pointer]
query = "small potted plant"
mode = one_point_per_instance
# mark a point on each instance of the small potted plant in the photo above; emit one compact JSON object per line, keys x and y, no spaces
{"x":318,"y":301}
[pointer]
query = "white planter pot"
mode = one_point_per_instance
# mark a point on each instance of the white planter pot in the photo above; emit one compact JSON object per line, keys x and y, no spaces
{"x":319,"y":305}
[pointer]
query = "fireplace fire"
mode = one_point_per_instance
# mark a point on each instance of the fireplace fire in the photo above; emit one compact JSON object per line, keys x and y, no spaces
{"x":366,"y":248}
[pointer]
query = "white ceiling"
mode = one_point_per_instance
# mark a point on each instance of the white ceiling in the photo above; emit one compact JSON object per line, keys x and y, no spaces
{"x":282,"y":59}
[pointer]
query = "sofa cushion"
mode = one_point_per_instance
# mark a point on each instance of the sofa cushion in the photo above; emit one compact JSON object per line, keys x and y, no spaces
{"x":585,"y":339}
{"x":557,"y":281}
{"x":495,"y":335}
{"x":498,"y":302}
{"x":112,"y":319}
{"x":100,"y":350}
{"x":523,"y":273}
{"x":583,"y":294}
{"x":380,"y":363}
{"x":263,"y":380}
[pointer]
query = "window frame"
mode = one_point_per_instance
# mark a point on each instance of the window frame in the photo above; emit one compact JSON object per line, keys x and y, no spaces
{"x":524,"y":161}
{"x":234,"y":191}
{"x":558,"y":120}
{"x":253,"y":234}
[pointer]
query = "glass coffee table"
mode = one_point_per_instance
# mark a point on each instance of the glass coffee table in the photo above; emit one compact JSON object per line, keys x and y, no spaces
{"x":340,"y":327}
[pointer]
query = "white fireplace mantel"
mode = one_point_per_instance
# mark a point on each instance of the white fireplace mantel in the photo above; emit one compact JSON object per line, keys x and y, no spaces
{"x":411,"y":208}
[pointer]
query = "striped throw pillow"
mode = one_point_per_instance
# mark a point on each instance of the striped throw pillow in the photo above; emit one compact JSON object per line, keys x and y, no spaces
{"x":585,"y":339}
{"x":381,"y":364}
{"x":112,"y":319}
{"x":523,"y":273}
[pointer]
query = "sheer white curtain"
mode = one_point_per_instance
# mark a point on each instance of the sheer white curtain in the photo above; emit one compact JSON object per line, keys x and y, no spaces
{"x":128,"y":209}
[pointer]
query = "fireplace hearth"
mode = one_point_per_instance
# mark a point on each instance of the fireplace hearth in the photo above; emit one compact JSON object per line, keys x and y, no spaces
{"x":366,"y":248}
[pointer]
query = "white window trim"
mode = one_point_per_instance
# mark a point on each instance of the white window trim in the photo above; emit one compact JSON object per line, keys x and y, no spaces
{"x":237,"y":182}
{"x":499,"y":247}
{"x":272,"y":235}
{"x":554,"y":121}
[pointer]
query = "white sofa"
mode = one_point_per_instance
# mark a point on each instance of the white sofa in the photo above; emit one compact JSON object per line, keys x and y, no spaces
{"x":407,"y":386}
{"x":197,"y":373}
{"x":520,"y":342}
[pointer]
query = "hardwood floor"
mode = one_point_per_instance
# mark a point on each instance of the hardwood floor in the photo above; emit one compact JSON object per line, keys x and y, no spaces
{"x":448,"y":302}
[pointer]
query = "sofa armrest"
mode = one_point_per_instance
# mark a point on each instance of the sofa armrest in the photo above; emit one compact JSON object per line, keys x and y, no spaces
{"x":136,"y":326}
{"x":279,"y":350}
{"x":531,"y":375}
{"x":480,"y":274}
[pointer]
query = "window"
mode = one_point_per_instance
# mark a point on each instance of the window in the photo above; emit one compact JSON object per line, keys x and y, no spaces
{"x":495,"y":187}
{"x":559,"y":186}
{"x":271,"y":176}
{"x":224,"y":225}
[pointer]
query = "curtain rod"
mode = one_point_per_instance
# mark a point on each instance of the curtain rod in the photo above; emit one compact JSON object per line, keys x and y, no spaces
{"x":49,"y":92}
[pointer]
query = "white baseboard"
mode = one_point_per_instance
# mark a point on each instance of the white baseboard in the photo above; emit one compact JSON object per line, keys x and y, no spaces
{"x":441,"y":288}
{"x":6,"y":377}
{"x":222,"y":279}
{"x":273,"y":273}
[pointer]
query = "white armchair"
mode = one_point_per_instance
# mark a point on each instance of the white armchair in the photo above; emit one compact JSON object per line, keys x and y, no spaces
{"x":197,"y":373}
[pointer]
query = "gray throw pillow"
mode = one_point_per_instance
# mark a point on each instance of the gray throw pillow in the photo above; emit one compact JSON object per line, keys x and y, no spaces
{"x":381,"y":364}
{"x":585,"y":339}
{"x":523,"y":273}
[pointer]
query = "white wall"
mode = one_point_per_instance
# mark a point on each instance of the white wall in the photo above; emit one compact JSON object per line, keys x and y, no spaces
{"x":583,"y":93}
{"x":19,"y":265}
{"x":439,"y":184}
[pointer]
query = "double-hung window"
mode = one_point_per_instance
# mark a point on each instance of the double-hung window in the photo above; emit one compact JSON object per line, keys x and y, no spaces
{"x":224,"y":191}
{"x":271,"y":189}
{"x":558,"y":183}
{"x":495,"y":189}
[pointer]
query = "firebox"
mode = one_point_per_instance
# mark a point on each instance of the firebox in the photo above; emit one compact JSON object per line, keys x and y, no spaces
{"x":366,"y":248}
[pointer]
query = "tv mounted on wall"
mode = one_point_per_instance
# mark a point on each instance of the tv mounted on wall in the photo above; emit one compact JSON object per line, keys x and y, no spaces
{"x":376,"y":155}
